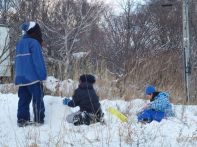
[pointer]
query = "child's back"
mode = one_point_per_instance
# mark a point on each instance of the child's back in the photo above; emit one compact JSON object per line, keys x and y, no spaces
{"x":86,"y":98}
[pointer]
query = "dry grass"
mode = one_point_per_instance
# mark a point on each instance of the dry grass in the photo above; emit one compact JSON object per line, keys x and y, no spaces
{"x":8,"y":88}
{"x":33,"y":145}
{"x":162,"y":70}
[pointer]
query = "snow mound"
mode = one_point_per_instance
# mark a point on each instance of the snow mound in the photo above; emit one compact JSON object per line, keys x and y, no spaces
{"x":80,"y":55}
{"x":58,"y":87}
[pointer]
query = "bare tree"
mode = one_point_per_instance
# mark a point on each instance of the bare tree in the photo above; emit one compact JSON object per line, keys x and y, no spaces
{"x":142,"y":42}
{"x":5,"y":64}
{"x":4,"y":9}
{"x":67,"y":27}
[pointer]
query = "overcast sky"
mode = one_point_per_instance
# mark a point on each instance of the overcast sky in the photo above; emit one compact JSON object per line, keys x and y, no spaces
{"x":116,"y":3}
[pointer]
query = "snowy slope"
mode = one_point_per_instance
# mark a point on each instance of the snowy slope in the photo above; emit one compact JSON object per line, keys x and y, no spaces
{"x":176,"y":132}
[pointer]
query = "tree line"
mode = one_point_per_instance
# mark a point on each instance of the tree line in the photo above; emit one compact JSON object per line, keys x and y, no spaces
{"x":141,"y":44}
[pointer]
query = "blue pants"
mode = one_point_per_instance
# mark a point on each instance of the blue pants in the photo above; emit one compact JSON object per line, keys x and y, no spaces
{"x":150,"y":115}
{"x":35,"y":93}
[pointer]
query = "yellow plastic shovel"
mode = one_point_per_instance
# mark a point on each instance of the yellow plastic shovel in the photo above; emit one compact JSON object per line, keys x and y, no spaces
{"x":118,"y":114}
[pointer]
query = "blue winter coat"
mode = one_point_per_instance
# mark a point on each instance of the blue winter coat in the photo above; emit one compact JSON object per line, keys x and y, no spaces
{"x":161,"y":103}
{"x":159,"y":108}
{"x":29,"y":63}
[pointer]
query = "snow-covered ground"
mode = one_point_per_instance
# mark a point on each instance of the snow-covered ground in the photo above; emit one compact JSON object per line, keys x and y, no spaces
{"x":180,"y":131}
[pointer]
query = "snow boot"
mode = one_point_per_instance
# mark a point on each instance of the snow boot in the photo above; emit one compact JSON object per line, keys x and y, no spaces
{"x":23,"y":123}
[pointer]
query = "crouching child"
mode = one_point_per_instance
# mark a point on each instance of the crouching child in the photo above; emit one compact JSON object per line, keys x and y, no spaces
{"x":158,"y":108}
{"x":86,"y":98}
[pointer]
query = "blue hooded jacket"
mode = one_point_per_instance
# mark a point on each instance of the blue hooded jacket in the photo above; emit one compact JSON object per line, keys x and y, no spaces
{"x":29,"y":63}
{"x":161,"y":103}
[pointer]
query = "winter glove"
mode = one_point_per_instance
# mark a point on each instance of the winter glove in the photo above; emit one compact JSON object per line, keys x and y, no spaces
{"x":66,"y":101}
{"x":147,"y":106}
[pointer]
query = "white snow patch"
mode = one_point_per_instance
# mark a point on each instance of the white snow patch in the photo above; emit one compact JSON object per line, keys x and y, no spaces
{"x":51,"y":83}
{"x":180,"y":131}
{"x":65,"y":87}
{"x":80,"y":55}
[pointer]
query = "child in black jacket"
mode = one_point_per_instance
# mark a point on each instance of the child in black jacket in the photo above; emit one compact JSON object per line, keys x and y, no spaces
{"x":86,"y":98}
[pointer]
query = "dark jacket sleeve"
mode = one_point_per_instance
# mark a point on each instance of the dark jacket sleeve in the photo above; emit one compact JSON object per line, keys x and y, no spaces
{"x":38,"y":60}
{"x":75,"y":99}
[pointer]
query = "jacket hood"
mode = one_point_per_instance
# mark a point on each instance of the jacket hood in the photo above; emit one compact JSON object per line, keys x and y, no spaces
{"x":86,"y":86}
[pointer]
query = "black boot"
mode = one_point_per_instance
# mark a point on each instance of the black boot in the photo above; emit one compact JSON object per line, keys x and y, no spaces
{"x":23,"y":122}
{"x":38,"y":122}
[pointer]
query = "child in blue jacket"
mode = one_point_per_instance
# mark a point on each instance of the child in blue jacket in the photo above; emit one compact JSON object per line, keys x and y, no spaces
{"x":30,"y":71}
{"x":158,"y":108}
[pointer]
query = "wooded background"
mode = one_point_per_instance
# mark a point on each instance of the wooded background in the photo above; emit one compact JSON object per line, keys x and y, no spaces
{"x":140,"y":45}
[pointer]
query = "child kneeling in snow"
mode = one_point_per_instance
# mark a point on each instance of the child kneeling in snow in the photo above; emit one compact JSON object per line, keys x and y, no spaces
{"x":158,"y":108}
{"x":86,"y":98}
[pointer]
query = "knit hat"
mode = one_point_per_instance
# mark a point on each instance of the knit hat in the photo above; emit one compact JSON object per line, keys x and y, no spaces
{"x":33,"y":30}
{"x":149,"y":90}
{"x":29,"y":26}
{"x":87,"y":78}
